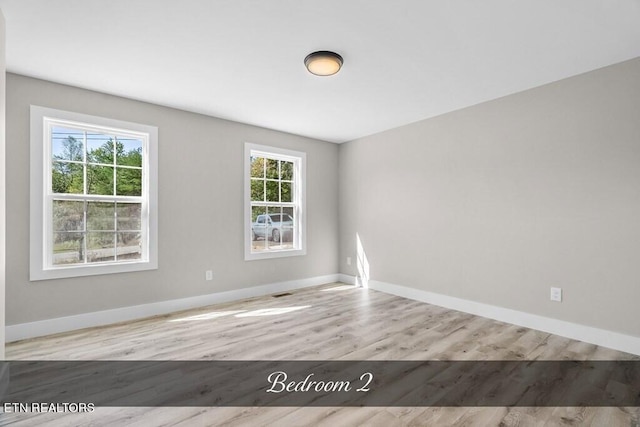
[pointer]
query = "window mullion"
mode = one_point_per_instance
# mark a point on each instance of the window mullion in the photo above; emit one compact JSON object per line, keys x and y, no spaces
{"x":280,"y":183}
{"x":97,"y":198}
{"x":115,"y":193}
{"x":113,"y":151}
{"x":85,"y":236}
{"x":264,"y":179}
{"x":115,"y":229}
{"x":85,"y":185}
{"x":283,"y":204}
{"x":84,"y":165}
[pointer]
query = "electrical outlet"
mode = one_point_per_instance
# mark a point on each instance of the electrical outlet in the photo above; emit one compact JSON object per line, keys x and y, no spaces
{"x":556,"y":294}
{"x":208,"y":275}
{"x":348,"y":260}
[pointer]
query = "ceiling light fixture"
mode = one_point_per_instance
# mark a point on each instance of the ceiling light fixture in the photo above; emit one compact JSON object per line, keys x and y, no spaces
{"x":323,"y":63}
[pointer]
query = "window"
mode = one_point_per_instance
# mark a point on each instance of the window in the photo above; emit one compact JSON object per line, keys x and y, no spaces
{"x":93,"y":195}
{"x":274,"y":202}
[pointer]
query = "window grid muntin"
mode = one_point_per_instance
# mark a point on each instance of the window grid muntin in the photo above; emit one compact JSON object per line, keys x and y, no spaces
{"x":85,"y":231}
{"x":295,"y":196}
{"x":264,"y":178}
{"x":50,"y":196}
{"x":113,"y":135}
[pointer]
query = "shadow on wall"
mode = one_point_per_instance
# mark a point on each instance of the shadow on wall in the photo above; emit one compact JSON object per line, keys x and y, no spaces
{"x":362,"y":263}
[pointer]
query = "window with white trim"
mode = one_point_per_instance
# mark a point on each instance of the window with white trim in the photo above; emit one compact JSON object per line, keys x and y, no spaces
{"x":274,"y":202}
{"x":93,"y":195}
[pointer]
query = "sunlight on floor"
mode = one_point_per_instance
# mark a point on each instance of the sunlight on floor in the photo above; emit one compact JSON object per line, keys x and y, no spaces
{"x":208,"y":316}
{"x":241,"y":313}
{"x":338,"y":288}
{"x":271,"y":311}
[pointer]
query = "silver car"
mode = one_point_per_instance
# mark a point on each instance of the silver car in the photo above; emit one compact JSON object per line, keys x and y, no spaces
{"x":272,"y":227}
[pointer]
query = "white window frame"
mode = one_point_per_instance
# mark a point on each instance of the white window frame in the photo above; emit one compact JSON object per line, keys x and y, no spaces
{"x":41,"y":195}
{"x":299,"y":160}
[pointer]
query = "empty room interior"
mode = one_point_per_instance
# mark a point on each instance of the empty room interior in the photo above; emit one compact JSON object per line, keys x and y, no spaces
{"x":321,"y":181}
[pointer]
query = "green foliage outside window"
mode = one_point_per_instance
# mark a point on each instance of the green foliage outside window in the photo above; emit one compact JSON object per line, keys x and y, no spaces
{"x":68,"y":177}
{"x":271,"y":181}
{"x":99,"y":226}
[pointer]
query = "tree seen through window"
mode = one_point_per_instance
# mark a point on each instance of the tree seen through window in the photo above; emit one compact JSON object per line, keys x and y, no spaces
{"x":102,"y":228}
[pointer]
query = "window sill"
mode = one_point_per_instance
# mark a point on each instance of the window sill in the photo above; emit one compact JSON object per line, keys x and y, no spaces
{"x":90,"y":270}
{"x":252,"y":256}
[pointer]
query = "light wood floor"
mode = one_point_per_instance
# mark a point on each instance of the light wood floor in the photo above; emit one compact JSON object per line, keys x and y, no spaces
{"x":330,"y":322}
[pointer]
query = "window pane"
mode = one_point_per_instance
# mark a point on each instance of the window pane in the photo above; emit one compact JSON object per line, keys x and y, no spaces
{"x":257,"y":190}
{"x":99,"y":148}
{"x":275,"y":227}
{"x":129,"y":216}
{"x":256,"y":212}
{"x":272,"y":169}
{"x":258,"y":228}
{"x":100,"y":247}
{"x":67,"y":144}
{"x":129,"y":152}
{"x":101,"y":216}
{"x":100,"y":180}
{"x":286,"y":171}
{"x":68,"y":216}
{"x":257,"y":167}
{"x":129,"y":246}
{"x":128,"y":182}
{"x":67,"y":178}
{"x":288,"y":228}
{"x":259,"y":245}
{"x":272,"y":191}
{"x":68,"y":248}
{"x":285,"y":191}
{"x":287,"y":214}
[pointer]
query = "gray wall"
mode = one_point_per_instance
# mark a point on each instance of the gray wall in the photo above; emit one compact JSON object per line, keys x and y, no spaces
{"x":200,"y":208}
{"x":500,"y":201}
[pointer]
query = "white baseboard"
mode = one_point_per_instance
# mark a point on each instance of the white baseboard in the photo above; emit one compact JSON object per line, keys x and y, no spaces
{"x":64,"y":324}
{"x":589,"y":334}
{"x":614,"y":340}
{"x":345,"y":278}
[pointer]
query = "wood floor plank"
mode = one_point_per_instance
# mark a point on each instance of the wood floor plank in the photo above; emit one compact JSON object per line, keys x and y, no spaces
{"x":329,"y":322}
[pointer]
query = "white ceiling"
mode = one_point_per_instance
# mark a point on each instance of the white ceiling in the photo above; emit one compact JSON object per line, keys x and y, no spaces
{"x":405,"y":60}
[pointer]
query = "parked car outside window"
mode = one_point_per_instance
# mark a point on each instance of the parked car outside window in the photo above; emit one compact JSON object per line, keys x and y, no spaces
{"x":273,"y":227}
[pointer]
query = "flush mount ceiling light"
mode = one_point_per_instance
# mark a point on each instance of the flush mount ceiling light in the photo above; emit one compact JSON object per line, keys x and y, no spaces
{"x":323,"y":63}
